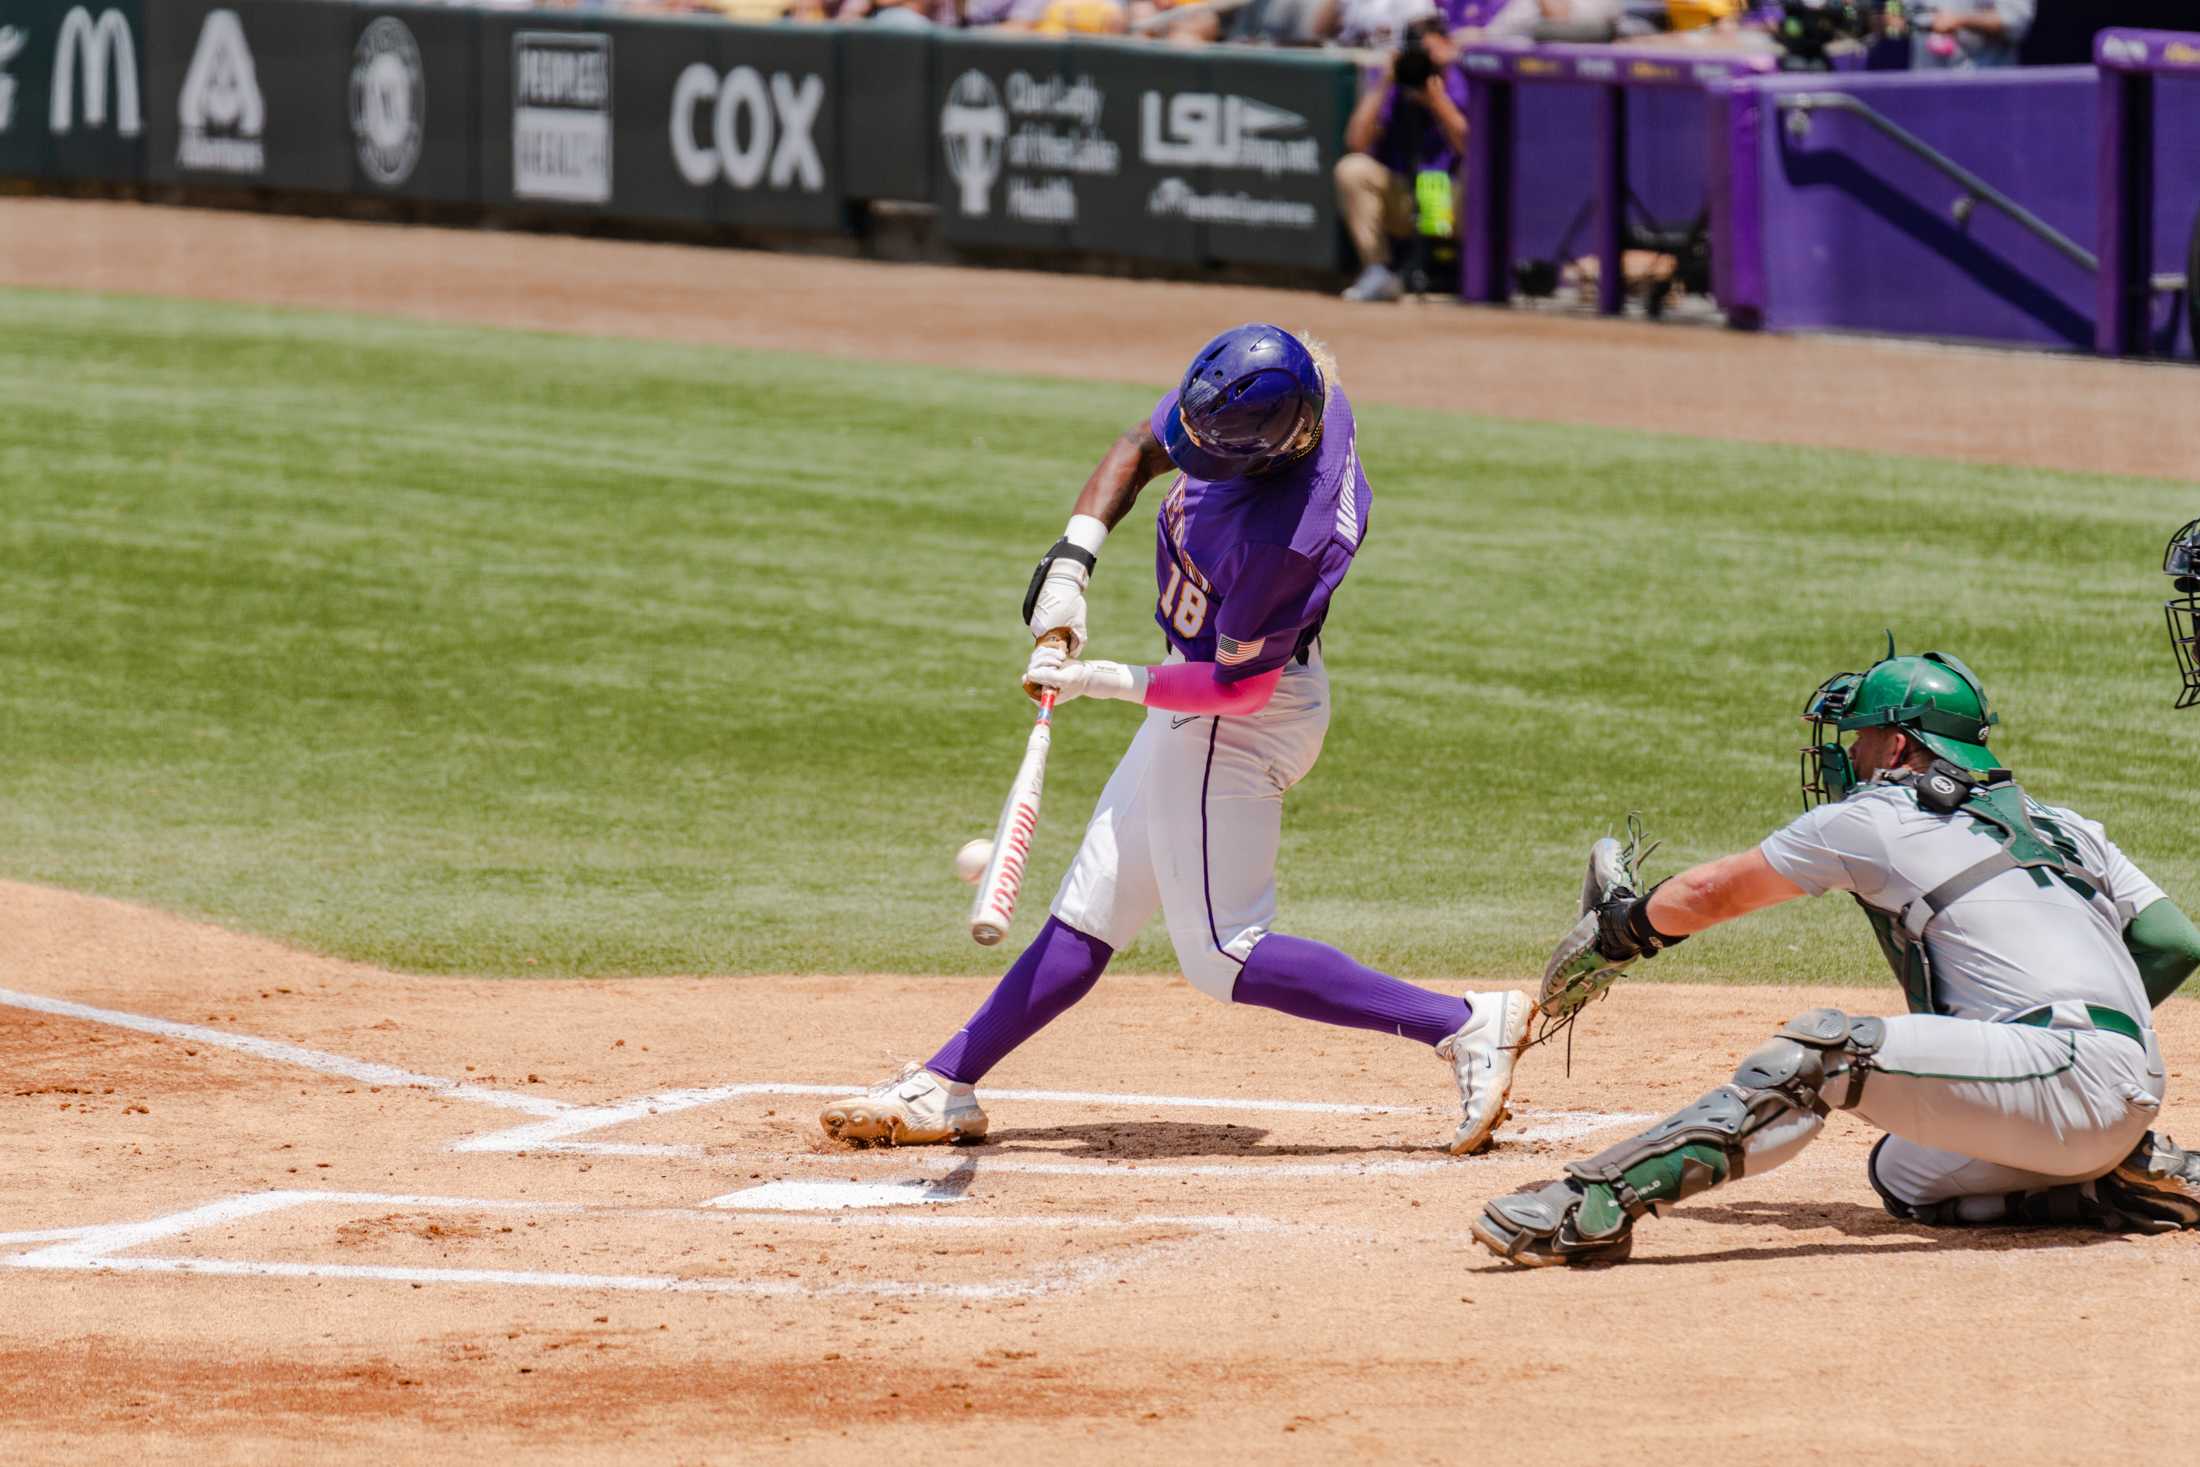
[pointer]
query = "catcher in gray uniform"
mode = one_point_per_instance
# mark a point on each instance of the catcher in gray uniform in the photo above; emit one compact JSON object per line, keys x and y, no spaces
{"x":2022,"y":1085}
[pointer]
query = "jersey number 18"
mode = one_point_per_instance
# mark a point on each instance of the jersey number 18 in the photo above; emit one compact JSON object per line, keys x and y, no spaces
{"x":1190,"y":611}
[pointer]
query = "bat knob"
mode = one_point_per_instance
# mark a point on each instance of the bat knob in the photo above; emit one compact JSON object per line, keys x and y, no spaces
{"x":985,"y":934}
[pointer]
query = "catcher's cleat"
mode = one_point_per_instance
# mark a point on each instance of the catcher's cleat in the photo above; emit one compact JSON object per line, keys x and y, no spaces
{"x":2156,"y":1189}
{"x":915,"y":1108}
{"x":1543,"y":1228}
{"x":1482,"y":1054}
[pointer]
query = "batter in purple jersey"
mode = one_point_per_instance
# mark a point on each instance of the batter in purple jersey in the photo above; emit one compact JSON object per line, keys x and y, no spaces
{"x":1251,"y":543}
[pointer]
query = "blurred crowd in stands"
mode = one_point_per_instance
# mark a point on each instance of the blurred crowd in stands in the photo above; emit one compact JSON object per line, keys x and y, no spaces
{"x":1936,"y":33}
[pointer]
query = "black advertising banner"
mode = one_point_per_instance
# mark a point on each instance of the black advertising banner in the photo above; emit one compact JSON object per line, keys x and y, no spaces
{"x":411,"y":77}
{"x":72,"y":97}
{"x":732,"y":122}
{"x":659,"y":69}
{"x":1017,"y":129}
{"x":249,"y":92}
{"x":1269,"y":131}
{"x":1140,"y":210}
{"x":662,"y":120}
{"x":886,"y":115}
{"x":1139,"y":150}
{"x":1096,"y":146}
{"x":547,"y":89}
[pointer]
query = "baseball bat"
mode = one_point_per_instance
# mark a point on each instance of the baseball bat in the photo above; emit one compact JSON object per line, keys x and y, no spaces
{"x":995,"y":905}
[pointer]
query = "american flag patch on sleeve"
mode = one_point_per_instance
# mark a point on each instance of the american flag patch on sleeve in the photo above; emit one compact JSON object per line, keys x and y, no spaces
{"x":1230,"y":652}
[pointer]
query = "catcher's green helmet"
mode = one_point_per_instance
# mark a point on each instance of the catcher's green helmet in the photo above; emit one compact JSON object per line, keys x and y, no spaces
{"x":1932,"y":697}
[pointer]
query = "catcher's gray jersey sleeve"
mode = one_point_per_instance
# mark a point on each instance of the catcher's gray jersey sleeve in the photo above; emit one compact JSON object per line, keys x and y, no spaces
{"x":2130,"y":888}
{"x":1838,"y":847}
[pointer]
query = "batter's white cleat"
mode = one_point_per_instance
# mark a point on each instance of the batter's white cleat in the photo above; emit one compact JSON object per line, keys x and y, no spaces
{"x":1482,"y":1054}
{"x":915,"y":1108}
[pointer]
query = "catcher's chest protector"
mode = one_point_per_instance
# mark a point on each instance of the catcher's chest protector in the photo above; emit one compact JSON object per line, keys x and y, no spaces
{"x":2027,"y":842}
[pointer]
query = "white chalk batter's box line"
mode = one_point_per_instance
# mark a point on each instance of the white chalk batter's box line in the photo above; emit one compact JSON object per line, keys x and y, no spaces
{"x":564,"y":1126}
{"x":563,"y":1133}
{"x":107,"y":1248}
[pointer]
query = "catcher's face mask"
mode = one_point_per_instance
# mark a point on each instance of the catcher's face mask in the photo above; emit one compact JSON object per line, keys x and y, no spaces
{"x":1827,"y":771}
{"x":2181,"y":562}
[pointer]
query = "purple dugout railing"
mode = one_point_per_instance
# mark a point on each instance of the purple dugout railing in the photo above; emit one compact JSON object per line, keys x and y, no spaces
{"x":1820,"y":222}
{"x":2129,"y":62}
{"x":1496,"y":71}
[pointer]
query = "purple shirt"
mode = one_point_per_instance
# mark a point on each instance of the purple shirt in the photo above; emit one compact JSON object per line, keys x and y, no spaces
{"x":1397,"y":124}
{"x":1246,"y":567}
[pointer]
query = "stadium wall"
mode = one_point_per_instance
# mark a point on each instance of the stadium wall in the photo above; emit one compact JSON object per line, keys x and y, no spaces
{"x":1028,"y":145}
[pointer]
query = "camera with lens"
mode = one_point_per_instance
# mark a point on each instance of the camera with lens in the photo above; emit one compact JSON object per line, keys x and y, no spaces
{"x":1414,"y":66}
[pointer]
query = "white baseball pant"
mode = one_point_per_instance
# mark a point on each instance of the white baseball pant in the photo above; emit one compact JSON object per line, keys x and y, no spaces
{"x":1190,"y":822}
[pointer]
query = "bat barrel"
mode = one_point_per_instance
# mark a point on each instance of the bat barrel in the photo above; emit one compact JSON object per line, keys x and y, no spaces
{"x":1003,"y":880}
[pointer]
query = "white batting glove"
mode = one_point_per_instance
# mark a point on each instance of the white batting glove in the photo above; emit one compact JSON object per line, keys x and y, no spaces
{"x":1056,"y":599}
{"x":1050,"y":667}
{"x":1061,"y":603}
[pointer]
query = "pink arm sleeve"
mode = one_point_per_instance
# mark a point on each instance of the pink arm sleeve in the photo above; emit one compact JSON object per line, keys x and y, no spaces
{"x":1192,"y":687}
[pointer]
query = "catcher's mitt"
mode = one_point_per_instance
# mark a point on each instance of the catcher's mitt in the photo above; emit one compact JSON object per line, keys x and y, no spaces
{"x":1579,"y":973}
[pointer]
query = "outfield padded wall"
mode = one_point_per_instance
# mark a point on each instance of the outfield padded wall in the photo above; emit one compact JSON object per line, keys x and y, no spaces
{"x":1069,"y":146}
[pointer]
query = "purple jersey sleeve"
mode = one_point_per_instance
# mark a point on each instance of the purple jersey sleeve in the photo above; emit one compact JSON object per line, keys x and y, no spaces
{"x":1275,"y":594}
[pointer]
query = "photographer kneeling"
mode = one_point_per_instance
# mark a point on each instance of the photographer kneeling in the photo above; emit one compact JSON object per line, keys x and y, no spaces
{"x":1410,"y":123}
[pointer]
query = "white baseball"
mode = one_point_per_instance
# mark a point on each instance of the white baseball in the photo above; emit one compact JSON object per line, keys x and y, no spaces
{"x":973,"y":858}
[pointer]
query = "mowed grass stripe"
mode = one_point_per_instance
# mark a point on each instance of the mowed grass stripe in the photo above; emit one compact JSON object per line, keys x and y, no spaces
{"x":491,"y":652}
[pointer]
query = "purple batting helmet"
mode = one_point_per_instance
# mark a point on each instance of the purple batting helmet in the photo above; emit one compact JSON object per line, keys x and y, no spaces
{"x":1250,"y":401}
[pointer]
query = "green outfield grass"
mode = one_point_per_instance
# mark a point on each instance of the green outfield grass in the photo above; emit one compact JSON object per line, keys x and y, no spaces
{"x":487,"y":652}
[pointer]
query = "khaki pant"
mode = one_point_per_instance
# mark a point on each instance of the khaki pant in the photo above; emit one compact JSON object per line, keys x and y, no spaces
{"x":1377,"y":206}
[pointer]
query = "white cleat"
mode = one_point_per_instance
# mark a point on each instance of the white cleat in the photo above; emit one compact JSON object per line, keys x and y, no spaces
{"x":1482,"y":1054}
{"x":915,"y":1108}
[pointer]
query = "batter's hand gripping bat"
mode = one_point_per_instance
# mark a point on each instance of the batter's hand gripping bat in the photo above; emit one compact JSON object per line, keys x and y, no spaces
{"x":995,"y":906}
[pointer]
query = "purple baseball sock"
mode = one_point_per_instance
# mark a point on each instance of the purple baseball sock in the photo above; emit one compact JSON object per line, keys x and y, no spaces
{"x":1311,"y":980}
{"x":1059,"y":968}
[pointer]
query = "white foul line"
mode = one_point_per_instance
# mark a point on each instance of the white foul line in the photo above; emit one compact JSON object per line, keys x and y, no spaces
{"x":95,"y":1249}
{"x":365,"y":1071}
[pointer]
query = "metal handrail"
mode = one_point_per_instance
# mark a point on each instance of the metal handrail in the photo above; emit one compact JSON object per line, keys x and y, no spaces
{"x":1977,"y":190}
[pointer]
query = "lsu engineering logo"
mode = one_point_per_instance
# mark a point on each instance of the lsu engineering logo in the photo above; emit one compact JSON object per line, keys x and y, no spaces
{"x":561,"y":117}
{"x":389,"y":102}
{"x":220,"y":110}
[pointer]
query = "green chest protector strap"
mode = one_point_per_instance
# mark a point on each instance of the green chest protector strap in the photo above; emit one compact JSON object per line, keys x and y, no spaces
{"x":1996,"y":808}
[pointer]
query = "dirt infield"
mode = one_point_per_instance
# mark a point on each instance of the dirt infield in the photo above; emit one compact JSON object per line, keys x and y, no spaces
{"x":324,"y":1211}
{"x":260,"y":1206}
{"x":2004,"y":407}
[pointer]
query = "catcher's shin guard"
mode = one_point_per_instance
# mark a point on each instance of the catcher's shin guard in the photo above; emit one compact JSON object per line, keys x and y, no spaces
{"x":1770,"y":1110}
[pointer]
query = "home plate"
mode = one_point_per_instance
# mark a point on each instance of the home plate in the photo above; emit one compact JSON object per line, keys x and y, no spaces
{"x":832,"y":1196}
